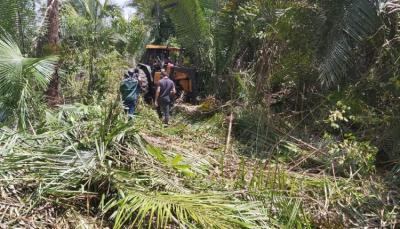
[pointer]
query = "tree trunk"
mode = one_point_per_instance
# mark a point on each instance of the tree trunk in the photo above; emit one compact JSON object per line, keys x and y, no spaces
{"x":92,"y":75}
{"x":53,"y":39}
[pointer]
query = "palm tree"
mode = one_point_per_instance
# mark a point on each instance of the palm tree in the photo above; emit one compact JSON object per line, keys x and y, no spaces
{"x":192,"y":29}
{"x":363,"y":21}
{"x":94,"y":30}
{"x":17,"y":18}
{"x":20,"y":77}
{"x":53,"y":40}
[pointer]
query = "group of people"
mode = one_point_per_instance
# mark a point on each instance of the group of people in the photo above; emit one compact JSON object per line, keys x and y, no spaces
{"x":131,"y":87}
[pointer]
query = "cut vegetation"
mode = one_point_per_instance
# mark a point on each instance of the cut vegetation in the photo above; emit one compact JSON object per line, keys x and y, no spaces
{"x":295,"y":124}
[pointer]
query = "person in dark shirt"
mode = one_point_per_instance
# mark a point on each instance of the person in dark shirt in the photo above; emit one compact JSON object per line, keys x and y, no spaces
{"x":165,"y":89}
{"x":130,"y":90}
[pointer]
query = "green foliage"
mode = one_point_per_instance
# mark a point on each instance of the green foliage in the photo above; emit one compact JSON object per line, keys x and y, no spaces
{"x":257,"y":132}
{"x":175,"y":163}
{"x":101,"y":31}
{"x":350,"y":157}
{"x":263,"y":55}
{"x":339,"y":115}
{"x":18,"y":18}
{"x":20,"y":77}
{"x":363,"y":21}
{"x":194,"y":211}
{"x":193,"y":31}
{"x":57,"y":166}
{"x":82,"y":146}
{"x":160,"y":27}
{"x":132,"y":36}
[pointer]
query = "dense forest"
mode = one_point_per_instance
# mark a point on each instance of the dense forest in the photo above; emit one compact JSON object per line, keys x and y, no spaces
{"x":296,"y":123}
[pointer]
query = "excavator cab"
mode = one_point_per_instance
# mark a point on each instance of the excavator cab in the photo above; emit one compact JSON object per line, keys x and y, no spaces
{"x":158,"y":57}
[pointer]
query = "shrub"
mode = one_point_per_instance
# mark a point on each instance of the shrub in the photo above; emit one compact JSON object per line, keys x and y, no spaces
{"x":350,"y":157}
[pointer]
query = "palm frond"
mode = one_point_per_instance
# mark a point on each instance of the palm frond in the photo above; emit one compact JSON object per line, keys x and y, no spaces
{"x":210,"y":5}
{"x":210,"y":210}
{"x":360,"y":22}
{"x":192,"y":29}
{"x":21,"y":76}
{"x":17,"y":18}
{"x":54,"y":163}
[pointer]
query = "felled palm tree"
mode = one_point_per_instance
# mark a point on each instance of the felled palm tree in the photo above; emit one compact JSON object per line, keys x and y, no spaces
{"x":151,"y":193}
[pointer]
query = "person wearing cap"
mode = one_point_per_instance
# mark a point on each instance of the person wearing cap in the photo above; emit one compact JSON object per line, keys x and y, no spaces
{"x":130,"y":90}
{"x":165,"y":89}
{"x":168,"y":65}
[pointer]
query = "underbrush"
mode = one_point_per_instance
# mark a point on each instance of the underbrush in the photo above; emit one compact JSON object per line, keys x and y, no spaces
{"x":115,"y":170}
{"x":334,"y":180}
{"x":88,"y":166}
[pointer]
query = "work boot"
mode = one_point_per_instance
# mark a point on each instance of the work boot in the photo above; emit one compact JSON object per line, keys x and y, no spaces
{"x":165,"y":122}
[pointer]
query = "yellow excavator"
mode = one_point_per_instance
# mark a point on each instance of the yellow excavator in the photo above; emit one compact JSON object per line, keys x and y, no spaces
{"x":158,"y":57}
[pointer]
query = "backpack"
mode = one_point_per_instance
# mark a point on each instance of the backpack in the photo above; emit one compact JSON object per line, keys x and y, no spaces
{"x":130,"y":90}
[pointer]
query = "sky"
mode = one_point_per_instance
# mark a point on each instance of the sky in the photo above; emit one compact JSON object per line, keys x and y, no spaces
{"x":120,"y":2}
{"x":127,"y":10}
